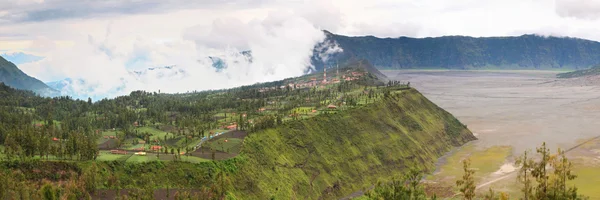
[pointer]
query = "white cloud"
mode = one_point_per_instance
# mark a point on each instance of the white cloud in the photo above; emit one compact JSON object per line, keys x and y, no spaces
{"x":126,"y":36}
{"x":326,"y":49}
{"x":584,"y":9}
{"x":281,"y":46}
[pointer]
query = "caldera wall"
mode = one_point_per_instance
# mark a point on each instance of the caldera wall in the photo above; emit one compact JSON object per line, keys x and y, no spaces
{"x":332,"y":155}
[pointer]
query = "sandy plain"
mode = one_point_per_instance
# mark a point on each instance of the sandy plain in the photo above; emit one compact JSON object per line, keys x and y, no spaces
{"x":519,"y":109}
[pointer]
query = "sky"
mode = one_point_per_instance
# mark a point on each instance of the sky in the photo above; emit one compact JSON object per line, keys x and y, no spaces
{"x":101,"y":42}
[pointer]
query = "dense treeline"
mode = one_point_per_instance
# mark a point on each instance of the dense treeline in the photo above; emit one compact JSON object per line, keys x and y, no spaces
{"x":84,"y":180}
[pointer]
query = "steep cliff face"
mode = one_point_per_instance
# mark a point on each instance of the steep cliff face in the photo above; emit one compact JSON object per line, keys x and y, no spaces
{"x":333,"y":155}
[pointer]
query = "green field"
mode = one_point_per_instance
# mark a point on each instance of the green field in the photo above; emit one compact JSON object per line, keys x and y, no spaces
{"x":108,"y":133}
{"x":587,"y":181}
{"x":136,"y":146}
{"x":156,"y":134}
{"x":232,"y":145}
{"x":139,"y":158}
{"x":193,"y":159}
{"x":484,"y":161}
{"x":191,"y":142}
{"x":107,"y":156}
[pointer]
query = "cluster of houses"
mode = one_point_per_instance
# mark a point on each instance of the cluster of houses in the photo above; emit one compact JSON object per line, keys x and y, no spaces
{"x":313,"y":82}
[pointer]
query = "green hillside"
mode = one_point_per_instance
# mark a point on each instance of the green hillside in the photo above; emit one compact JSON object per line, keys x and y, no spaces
{"x":14,"y":77}
{"x":462,"y":52}
{"x":333,"y":155}
{"x":580,"y":73}
{"x":312,"y":137}
{"x":327,"y":156}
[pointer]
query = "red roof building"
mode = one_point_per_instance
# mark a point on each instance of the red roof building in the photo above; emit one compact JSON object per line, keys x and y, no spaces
{"x":155,"y":148}
{"x":118,"y":152}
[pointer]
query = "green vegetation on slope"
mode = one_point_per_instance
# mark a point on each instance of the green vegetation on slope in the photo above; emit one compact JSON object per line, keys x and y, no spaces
{"x":325,"y":156}
{"x":462,"y":52}
{"x":580,"y":73}
{"x":308,"y":138}
{"x":333,"y":155}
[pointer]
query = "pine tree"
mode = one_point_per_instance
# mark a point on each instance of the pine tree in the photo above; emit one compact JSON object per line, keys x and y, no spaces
{"x":562,"y":172}
{"x":540,"y":172}
{"x":525,"y":165}
{"x":467,"y":183}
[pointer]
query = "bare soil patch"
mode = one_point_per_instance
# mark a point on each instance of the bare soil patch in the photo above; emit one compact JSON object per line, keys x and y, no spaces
{"x":108,"y":145}
{"x":206,"y":153}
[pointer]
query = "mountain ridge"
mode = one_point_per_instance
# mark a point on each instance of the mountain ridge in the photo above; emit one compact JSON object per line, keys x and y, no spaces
{"x":466,"y":52}
{"x":12,"y":76}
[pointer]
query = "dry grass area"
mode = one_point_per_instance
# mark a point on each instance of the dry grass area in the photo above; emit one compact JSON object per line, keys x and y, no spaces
{"x":488,"y":163}
{"x":519,"y":109}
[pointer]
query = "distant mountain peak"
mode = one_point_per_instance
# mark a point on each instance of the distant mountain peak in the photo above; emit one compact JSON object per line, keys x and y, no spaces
{"x":12,"y":76}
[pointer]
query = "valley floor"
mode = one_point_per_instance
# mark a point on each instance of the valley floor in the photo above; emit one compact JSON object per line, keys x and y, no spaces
{"x":510,"y":112}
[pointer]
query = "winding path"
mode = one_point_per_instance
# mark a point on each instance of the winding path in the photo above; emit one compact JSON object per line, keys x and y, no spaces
{"x":512,"y":173}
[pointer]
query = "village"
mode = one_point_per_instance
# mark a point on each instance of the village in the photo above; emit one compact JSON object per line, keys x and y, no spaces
{"x":219,"y":134}
{"x":164,"y":145}
{"x":313,"y":81}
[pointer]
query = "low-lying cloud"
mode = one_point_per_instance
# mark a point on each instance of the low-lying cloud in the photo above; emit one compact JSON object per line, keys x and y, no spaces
{"x":326,"y":49}
{"x":281,"y":46}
